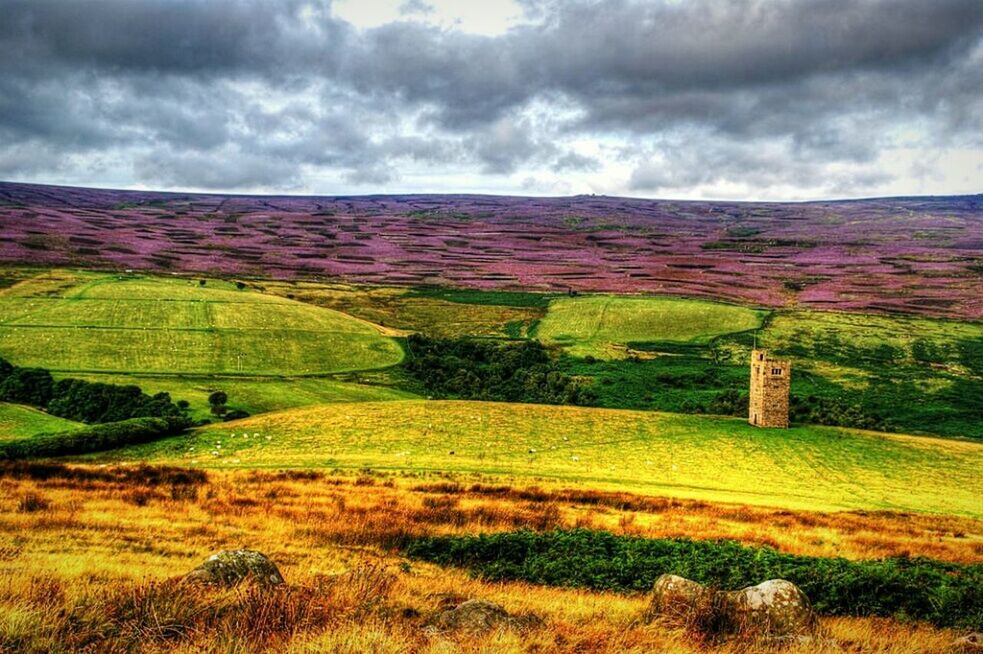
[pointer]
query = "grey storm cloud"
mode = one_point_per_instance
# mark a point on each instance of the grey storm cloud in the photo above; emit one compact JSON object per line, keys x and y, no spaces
{"x":176,"y":86}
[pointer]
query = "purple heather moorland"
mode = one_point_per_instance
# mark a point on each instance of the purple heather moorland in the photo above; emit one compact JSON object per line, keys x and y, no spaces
{"x":915,"y":255}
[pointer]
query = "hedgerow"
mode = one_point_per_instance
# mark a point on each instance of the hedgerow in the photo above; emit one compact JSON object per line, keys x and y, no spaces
{"x":94,"y":438}
{"x":944,"y":594}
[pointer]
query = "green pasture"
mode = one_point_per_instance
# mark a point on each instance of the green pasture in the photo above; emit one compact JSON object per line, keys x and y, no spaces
{"x":596,"y":325}
{"x":17,"y":421}
{"x":858,"y":341}
{"x":442,"y":313}
{"x":821,"y":468}
{"x":89,"y":322}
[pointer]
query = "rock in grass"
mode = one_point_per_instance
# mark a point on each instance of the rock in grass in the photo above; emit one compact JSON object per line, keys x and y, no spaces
{"x":478,"y":616}
{"x":775,"y":610}
{"x":232,"y":567}
{"x":676,"y":598}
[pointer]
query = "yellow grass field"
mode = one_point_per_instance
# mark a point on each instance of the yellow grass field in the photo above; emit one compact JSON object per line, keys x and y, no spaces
{"x":817,"y":468}
{"x":84,"y":566}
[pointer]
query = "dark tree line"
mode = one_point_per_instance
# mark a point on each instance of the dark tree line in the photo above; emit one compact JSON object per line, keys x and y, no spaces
{"x":475,"y":369}
{"x":83,"y":401}
{"x":93,"y":438}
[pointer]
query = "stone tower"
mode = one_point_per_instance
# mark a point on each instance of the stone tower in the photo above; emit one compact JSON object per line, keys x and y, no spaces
{"x":770,"y":381}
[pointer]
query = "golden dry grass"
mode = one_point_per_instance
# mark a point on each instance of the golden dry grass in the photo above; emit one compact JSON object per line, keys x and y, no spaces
{"x":88,"y":565}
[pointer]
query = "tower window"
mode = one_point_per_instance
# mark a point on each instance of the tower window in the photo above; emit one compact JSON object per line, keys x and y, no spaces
{"x":776,"y":371}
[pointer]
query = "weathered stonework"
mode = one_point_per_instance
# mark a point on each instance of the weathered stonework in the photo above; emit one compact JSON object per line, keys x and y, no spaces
{"x":770,"y":381}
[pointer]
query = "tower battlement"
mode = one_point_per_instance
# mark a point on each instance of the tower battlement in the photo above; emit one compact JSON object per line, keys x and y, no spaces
{"x":770,"y":383}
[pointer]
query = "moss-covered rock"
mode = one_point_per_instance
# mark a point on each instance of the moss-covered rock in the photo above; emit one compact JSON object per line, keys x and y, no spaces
{"x":232,"y":567}
{"x":478,"y":616}
{"x":772,"y":610}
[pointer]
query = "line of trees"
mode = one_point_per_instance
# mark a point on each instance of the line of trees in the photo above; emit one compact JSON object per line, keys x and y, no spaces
{"x":93,"y":438}
{"x":477,"y":369}
{"x":84,"y":401}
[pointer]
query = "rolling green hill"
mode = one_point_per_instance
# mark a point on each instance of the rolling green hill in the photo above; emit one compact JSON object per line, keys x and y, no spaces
{"x":595,"y":325}
{"x":17,"y":421}
{"x":691,"y":456}
{"x":86,"y":322}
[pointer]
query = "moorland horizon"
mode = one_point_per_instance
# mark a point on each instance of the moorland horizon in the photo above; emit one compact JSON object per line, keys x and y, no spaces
{"x":833,"y":198}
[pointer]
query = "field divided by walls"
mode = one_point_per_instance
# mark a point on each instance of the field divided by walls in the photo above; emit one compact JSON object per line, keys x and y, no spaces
{"x":591,"y":325}
{"x":82,"y":322}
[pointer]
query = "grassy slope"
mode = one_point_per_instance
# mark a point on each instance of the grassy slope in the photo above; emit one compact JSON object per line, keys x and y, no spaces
{"x":920,"y":375}
{"x":254,"y":394}
{"x":437,"y":312}
{"x":17,"y":421}
{"x":106,"y":323}
{"x":689,"y":456}
{"x":590,"y":325}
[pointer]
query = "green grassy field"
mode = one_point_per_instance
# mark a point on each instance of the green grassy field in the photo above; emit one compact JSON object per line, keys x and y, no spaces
{"x":253,"y":394}
{"x":18,"y":421}
{"x":689,"y":456}
{"x":172,"y":334}
{"x":595,"y":325}
{"x":89,"y":322}
{"x":856,"y":341}
{"x":436,"y":312}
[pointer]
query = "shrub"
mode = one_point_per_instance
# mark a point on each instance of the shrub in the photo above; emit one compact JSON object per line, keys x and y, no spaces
{"x":235,"y":414}
{"x":834,"y":411}
{"x":922,"y":589}
{"x":32,"y":503}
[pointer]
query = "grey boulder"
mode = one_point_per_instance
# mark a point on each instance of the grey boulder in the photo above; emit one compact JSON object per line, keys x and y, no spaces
{"x":772,"y":610}
{"x":230,"y":568}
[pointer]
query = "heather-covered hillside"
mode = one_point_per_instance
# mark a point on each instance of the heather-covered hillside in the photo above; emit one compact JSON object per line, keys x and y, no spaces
{"x":918,"y":255}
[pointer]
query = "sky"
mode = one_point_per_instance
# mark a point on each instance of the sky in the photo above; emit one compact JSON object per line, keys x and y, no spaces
{"x":697,"y":99}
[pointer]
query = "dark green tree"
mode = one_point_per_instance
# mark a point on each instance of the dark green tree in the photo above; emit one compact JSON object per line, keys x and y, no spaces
{"x":218,"y":398}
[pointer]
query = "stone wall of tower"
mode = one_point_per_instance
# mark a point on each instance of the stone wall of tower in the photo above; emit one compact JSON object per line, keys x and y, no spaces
{"x":770,"y":383}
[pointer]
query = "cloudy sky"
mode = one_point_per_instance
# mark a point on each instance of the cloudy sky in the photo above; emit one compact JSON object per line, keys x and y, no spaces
{"x":738,"y":99}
